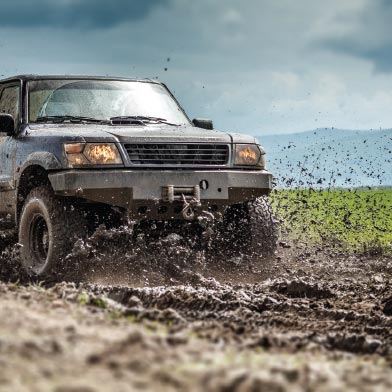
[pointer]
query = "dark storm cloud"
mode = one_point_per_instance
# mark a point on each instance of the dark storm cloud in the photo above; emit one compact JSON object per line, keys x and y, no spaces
{"x":249,"y":65}
{"x":371,"y":38}
{"x":74,"y":13}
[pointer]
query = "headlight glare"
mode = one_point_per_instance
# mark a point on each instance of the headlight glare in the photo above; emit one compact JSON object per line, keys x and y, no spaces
{"x":85,"y":154}
{"x":102,"y":154}
{"x":248,"y":155}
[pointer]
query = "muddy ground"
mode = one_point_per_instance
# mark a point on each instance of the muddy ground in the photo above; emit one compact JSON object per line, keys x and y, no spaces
{"x":308,"y":319}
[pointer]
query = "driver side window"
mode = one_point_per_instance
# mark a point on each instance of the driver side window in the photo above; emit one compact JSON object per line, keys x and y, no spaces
{"x":9,"y":101}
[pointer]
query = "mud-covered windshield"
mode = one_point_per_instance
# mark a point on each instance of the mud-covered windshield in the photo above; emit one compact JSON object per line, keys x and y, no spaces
{"x":101,"y":100}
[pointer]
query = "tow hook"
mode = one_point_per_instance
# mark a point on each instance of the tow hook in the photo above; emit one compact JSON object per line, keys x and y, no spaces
{"x":188,"y":211}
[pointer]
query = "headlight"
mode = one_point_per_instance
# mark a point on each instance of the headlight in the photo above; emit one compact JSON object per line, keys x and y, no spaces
{"x":102,"y":154}
{"x":248,"y":155}
{"x":84,"y":154}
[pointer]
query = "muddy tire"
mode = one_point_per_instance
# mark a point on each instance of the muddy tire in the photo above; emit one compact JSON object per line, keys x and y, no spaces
{"x":249,"y":229}
{"x":48,"y":229}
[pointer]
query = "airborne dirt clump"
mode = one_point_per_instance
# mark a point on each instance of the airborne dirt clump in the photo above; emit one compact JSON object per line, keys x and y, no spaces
{"x":306,"y":319}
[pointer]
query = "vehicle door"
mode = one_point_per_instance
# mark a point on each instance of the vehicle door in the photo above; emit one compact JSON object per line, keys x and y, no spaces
{"x":9,"y":103}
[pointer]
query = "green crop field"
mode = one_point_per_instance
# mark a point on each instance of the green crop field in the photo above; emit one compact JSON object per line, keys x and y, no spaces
{"x":359,"y":220}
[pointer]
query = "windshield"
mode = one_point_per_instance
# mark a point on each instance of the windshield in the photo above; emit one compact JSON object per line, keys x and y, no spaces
{"x":102,"y":100}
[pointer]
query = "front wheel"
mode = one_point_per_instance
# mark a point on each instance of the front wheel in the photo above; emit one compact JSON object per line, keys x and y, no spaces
{"x":49,"y":226}
{"x":249,"y":229}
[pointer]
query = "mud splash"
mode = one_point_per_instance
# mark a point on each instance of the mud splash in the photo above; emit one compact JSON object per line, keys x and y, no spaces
{"x":311,"y":325}
{"x":159,"y":314}
{"x":153,"y":312}
{"x":126,"y":256}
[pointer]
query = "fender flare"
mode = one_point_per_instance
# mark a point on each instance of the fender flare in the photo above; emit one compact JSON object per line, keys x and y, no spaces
{"x":44,"y":159}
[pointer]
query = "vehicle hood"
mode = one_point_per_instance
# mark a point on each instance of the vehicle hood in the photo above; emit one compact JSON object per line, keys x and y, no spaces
{"x":132,"y":134}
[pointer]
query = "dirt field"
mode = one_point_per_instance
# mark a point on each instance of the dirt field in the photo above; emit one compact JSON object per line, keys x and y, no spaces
{"x":306,"y":320}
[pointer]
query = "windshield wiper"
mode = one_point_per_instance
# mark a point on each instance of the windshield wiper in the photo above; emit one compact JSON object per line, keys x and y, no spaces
{"x":72,"y":119}
{"x":141,"y":119}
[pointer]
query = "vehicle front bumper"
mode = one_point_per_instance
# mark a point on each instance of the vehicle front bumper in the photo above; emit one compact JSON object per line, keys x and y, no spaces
{"x":132,"y":188}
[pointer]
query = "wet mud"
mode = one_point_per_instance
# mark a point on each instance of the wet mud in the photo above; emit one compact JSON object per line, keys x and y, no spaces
{"x":164,"y":315}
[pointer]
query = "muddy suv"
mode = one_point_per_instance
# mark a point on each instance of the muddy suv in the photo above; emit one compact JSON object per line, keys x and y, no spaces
{"x":78,"y":152}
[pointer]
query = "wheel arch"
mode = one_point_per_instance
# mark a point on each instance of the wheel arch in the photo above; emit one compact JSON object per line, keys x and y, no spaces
{"x":32,"y":176}
{"x":34,"y":172}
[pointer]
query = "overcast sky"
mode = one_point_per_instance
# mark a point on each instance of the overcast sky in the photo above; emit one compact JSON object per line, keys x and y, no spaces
{"x":254,"y":66}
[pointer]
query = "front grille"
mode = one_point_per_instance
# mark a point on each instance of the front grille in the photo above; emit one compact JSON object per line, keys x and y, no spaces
{"x":178,"y":154}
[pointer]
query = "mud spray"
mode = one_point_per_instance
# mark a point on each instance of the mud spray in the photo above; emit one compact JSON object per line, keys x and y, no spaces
{"x":157,"y":312}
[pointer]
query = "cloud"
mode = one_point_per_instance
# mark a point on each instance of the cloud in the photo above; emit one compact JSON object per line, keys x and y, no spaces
{"x":369,"y":38}
{"x":253,"y":66}
{"x":87,"y":14}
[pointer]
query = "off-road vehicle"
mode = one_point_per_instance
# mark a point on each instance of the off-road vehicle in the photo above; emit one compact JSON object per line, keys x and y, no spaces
{"x":77,"y":152}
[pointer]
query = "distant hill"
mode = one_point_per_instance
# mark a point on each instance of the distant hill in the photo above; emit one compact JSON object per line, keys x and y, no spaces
{"x":330,"y":157}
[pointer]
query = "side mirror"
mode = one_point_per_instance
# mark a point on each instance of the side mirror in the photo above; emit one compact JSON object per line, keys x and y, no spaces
{"x":203,"y":123}
{"x":7,"y":124}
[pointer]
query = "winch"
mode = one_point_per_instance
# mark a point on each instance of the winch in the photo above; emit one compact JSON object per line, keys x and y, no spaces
{"x":188,"y":195}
